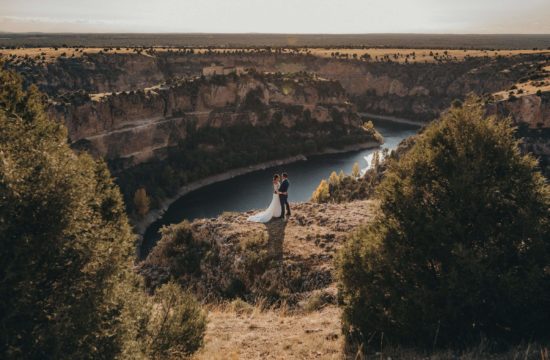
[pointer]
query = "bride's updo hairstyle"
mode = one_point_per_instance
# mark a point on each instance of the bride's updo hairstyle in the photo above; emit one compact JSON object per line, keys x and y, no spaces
{"x":275,"y":177}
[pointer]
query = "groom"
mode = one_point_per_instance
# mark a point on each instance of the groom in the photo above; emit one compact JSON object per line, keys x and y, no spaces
{"x":283,"y":196}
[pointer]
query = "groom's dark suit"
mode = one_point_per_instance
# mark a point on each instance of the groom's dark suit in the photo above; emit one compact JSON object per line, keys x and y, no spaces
{"x":283,"y":198}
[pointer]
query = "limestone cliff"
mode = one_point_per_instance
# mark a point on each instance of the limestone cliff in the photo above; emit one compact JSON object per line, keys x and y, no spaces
{"x":419,"y":91}
{"x":136,"y":126}
{"x":531,"y":114}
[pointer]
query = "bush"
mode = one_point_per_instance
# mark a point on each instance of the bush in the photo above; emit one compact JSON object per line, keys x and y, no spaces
{"x":178,"y":324}
{"x":460,"y":250}
{"x":180,"y":250}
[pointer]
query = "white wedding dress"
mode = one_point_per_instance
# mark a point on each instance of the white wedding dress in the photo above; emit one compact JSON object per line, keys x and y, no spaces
{"x":274,"y":209}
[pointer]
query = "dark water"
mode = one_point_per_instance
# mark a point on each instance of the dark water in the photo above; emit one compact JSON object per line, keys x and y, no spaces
{"x":254,"y":190}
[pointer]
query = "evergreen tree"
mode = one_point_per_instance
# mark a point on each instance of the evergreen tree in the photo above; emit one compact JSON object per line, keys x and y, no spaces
{"x":66,"y":279}
{"x":462,"y":246}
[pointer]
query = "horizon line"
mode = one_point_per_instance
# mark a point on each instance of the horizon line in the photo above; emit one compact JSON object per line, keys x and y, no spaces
{"x":263,"y":33}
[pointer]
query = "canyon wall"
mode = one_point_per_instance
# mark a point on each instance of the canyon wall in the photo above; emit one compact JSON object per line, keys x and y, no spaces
{"x":137,"y":126}
{"x":531,"y":115}
{"x":161,"y":125}
{"x":416,"y":90}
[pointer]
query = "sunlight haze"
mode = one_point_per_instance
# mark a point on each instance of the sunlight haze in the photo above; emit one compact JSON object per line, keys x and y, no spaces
{"x":283,"y":16}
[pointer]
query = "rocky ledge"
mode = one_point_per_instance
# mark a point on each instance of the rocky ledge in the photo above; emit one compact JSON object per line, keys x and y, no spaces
{"x":281,"y":261}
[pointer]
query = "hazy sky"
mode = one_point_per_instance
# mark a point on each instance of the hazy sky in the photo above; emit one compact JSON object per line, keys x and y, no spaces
{"x":277,"y":16}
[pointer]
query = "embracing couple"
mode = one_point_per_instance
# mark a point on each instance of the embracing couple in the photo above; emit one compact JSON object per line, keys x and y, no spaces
{"x":278,"y":203}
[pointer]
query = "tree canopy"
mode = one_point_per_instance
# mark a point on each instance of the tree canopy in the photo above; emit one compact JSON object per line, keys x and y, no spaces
{"x":66,"y":279}
{"x":461,"y":249}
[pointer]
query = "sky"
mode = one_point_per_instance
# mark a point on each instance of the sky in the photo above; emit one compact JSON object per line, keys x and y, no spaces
{"x":277,"y":16}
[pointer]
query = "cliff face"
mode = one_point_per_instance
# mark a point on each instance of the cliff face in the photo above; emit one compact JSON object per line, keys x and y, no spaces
{"x":138,"y":126}
{"x":415,"y":90}
{"x":531,"y":114}
{"x":530,"y":111}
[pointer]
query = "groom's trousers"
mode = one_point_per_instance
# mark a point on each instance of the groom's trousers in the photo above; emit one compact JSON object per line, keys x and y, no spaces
{"x":284,"y":202}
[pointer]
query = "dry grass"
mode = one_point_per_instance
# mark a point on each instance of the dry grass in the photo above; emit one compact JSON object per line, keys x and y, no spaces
{"x":308,"y":330}
{"x":396,"y":55}
{"x":279,"y":333}
{"x":527,"y":88}
{"x":272,"y":334}
{"x":51,"y":54}
{"x":422,"y":55}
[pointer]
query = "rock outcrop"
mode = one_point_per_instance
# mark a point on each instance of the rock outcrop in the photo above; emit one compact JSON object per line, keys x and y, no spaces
{"x":279,"y":261}
{"x":531,"y":114}
{"x":416,"y":90}
{"x":138,"y":126}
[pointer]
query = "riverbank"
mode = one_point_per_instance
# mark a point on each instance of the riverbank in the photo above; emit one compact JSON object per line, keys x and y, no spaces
{"x":141,"y":226}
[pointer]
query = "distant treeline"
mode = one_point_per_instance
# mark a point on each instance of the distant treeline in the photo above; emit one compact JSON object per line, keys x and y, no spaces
{"x":435,"y":41}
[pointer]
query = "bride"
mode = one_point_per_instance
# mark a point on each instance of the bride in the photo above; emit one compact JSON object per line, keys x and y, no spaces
{"x":274,"y":209}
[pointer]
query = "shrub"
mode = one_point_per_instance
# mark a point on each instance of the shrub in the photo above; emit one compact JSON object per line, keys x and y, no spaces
{"x":180,"y":250}
{"x":460,"y":250}
{"x":456,"y":103}
{"x":255,"y":256}
{"x":178,"y":324}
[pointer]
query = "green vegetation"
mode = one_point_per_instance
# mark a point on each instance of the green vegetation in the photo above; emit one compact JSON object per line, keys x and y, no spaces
{"x":181,"y":250}
{"x":345,"y":188}
{"x":66,"y":279}
{"x":177,"y":325}
{"x":460,"y":251}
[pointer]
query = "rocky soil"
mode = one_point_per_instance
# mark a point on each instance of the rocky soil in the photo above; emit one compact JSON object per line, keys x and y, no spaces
{"x":281,"y":262}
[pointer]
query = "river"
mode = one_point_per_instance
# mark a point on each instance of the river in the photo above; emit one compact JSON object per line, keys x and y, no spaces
{"x":254,"y":190}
